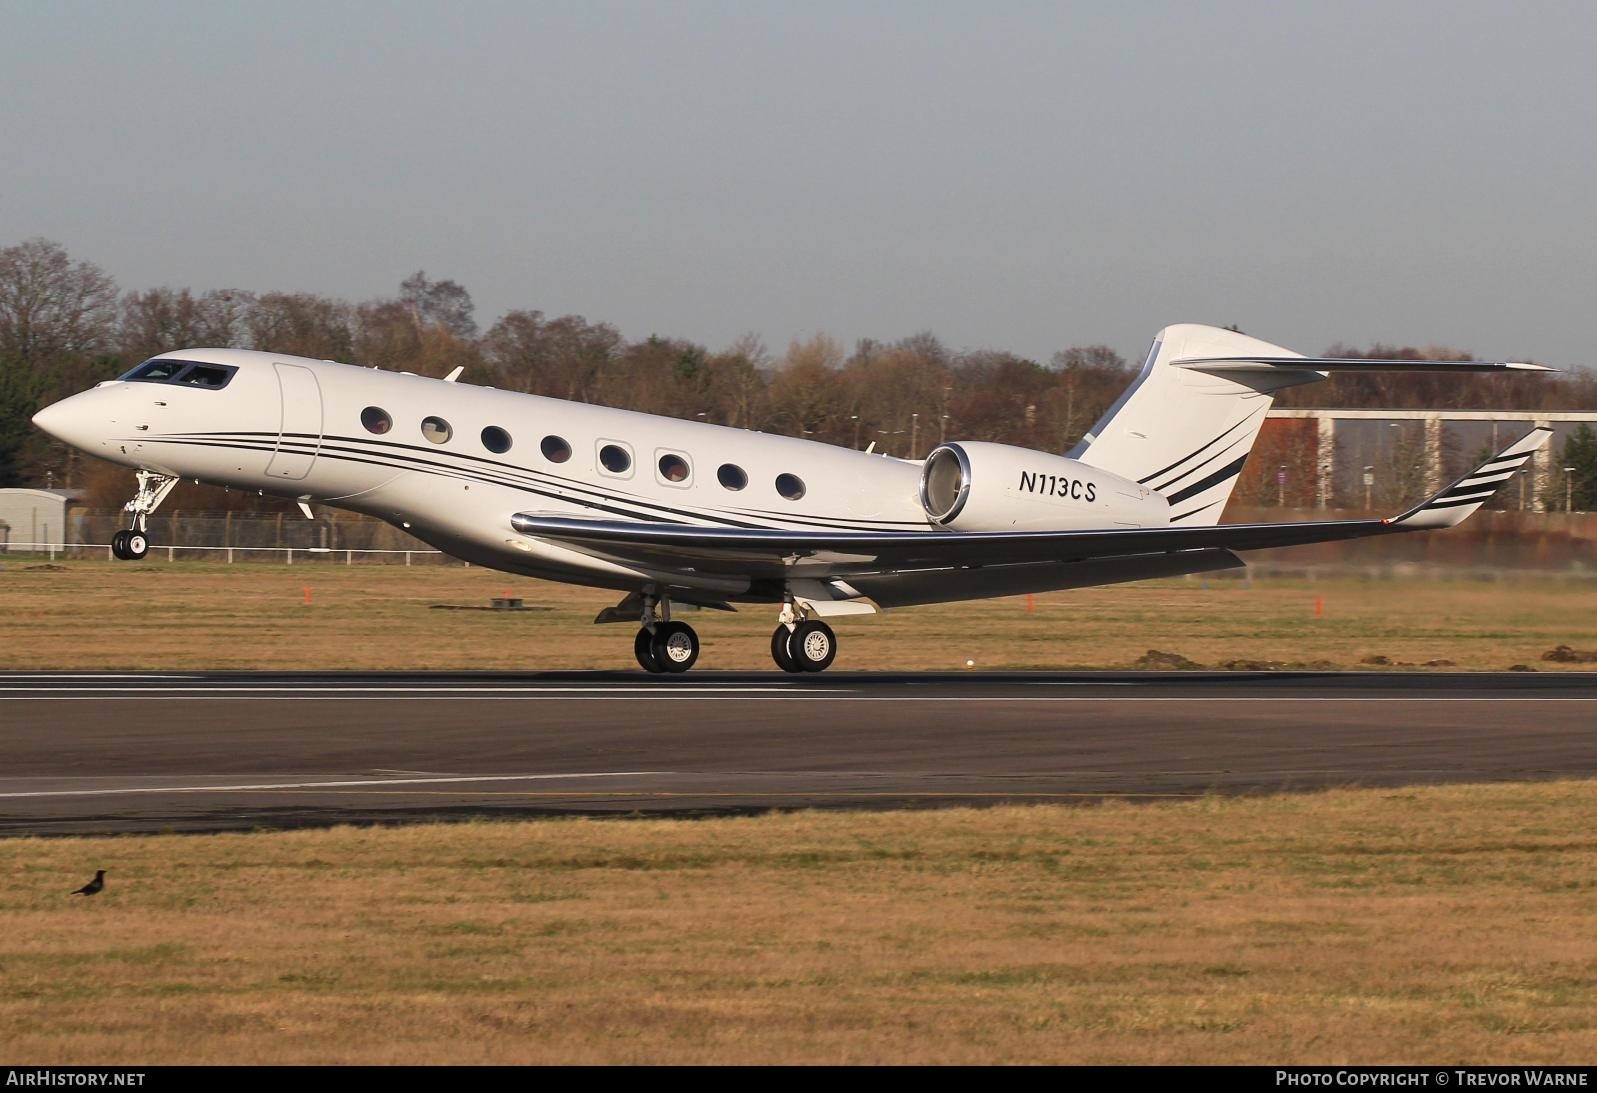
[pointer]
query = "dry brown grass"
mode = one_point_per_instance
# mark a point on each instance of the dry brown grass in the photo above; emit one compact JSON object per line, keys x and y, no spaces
{"x":1433,"y":925}
{"x":196,"y":615}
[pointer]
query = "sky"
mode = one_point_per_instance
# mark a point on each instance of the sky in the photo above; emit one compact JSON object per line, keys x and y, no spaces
{"x":1012,"y":176}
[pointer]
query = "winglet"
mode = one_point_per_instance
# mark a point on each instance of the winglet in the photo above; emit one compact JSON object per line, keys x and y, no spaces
{"x":1453,"y":505}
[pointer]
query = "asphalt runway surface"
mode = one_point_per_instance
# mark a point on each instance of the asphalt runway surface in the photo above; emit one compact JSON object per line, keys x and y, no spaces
{"x":108,"y":752}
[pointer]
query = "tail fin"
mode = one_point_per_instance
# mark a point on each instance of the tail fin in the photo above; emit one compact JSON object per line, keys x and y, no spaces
{"x":1185,"y":432}
{"x":1186,"y":424}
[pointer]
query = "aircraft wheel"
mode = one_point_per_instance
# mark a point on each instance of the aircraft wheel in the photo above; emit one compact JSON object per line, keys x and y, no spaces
{"x":675,"y":646}
{"x":641,"y":648}
{"x":119,"y":546}
{"x":137,"y":544}
{"x":779,"y":650}
{"x":813,"y":646}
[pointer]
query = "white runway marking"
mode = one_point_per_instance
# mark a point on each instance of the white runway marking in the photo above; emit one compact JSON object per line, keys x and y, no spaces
{"x":675,"y":694}
{"x":404,"y":689}
{"x":49,"y":676}
{"x":343,"y":784}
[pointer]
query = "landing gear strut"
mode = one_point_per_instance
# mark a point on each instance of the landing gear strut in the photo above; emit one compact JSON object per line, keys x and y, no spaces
{"x":664,"y":646}
{"x":802,"y":645}
{"x":133,"y":543}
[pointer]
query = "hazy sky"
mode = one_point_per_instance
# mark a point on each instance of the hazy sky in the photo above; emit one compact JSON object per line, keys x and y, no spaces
{"x":1014,"y":176}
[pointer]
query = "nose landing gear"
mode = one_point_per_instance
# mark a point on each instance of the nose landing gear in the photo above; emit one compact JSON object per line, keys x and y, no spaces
{"x":129,"y":545}
{"x":133,"y":543}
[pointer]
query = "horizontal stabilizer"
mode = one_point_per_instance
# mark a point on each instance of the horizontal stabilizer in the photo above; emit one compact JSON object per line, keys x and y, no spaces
{"x":1348,"y":364}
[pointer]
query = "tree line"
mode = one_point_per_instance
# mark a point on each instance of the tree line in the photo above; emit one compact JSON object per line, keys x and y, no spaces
{"x":65,"y":325}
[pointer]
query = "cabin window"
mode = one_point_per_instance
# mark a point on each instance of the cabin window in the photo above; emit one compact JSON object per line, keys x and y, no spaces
{"x":732,"y":476}
{"x":674,"y":470}
{"x":790,"y":486}
{"x":376,"y":420}
{"x":496,"y":440}
{"x":555,"y":449}
{"x":615,"y":459}
{"x":436,"y":429}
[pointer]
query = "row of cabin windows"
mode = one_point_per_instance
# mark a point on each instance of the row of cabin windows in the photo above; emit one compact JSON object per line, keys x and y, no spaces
{"x":614,"y":458}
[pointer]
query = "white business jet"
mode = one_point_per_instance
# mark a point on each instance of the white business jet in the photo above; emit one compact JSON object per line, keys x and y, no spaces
{"x":686,"y":514}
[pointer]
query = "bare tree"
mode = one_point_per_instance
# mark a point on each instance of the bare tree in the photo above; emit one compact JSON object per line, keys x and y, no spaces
{"x":737,"y":383}
{"x":1089,"y":380}
{"x":50,"y":305}
{"x":300,"y":323}
{"x":159,"y":320}
{"x":438,"y":303}
{"x":804,"y":386}
{"x":566,"y":357}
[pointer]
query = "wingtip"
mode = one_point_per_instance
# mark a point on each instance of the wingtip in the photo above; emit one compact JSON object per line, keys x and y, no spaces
{"x":1454,"y":504}
{"x":1527,"y":366}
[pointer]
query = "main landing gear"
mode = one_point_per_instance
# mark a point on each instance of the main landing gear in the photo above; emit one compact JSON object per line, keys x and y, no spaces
{"x":802,"y":645}
{"x":664,"y":646}
{"x":133,"y":543}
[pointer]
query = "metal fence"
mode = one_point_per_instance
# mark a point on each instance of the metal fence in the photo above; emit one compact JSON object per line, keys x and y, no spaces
{"x":235,"y":537}
{"x":1502,"y":541}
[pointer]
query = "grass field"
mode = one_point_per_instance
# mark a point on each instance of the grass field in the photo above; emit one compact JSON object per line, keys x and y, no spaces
{"x":1433,"y":925}
{"x":82,"y":614}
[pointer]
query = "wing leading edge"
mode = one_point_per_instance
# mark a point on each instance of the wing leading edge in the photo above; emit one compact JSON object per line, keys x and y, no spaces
{"x":767,"y":552}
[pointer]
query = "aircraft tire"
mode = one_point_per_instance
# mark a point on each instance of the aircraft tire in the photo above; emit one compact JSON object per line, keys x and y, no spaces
{"x":642,"y":648}
{"x":813,"y":646}
{"x":674,"y":646}
{"x":779,"y":650}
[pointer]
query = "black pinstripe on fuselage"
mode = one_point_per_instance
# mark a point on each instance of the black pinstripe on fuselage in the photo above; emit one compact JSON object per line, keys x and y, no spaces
{"x":398,"y":457}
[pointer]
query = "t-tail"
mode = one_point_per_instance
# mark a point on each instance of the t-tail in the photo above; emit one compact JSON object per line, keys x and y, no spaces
{"x":1185,"y":427}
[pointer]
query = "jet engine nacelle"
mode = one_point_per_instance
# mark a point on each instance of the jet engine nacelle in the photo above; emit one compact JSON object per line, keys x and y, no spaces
{"x":976,"y":486}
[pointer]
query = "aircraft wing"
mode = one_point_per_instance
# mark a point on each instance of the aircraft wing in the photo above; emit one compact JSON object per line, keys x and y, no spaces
{"x":804,"y":552}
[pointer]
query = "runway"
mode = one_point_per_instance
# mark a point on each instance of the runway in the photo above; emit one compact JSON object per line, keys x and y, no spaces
{"x":115,"y":752}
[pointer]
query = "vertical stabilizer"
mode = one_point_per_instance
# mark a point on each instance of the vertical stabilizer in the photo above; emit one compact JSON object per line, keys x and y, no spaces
{"x":1185,"y":432}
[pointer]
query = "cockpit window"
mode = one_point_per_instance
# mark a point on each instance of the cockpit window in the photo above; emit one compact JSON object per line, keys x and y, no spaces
{"x":206,"y":375}
{"x":213,"y":377}
{"x":156,"y":371}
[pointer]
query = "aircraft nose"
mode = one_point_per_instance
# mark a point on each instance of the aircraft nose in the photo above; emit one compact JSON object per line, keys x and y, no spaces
{"x":67,"y":421}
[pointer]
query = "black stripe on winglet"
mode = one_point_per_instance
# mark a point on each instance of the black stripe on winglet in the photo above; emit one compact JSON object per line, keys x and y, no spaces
{"x":1507,"y":462}
{"x":1230,"y":470}
{"x":1454,"y":502}
{"x":1469,"y":491}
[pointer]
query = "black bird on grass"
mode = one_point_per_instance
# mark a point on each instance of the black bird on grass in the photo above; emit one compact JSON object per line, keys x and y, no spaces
{"x":94,"y":885}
